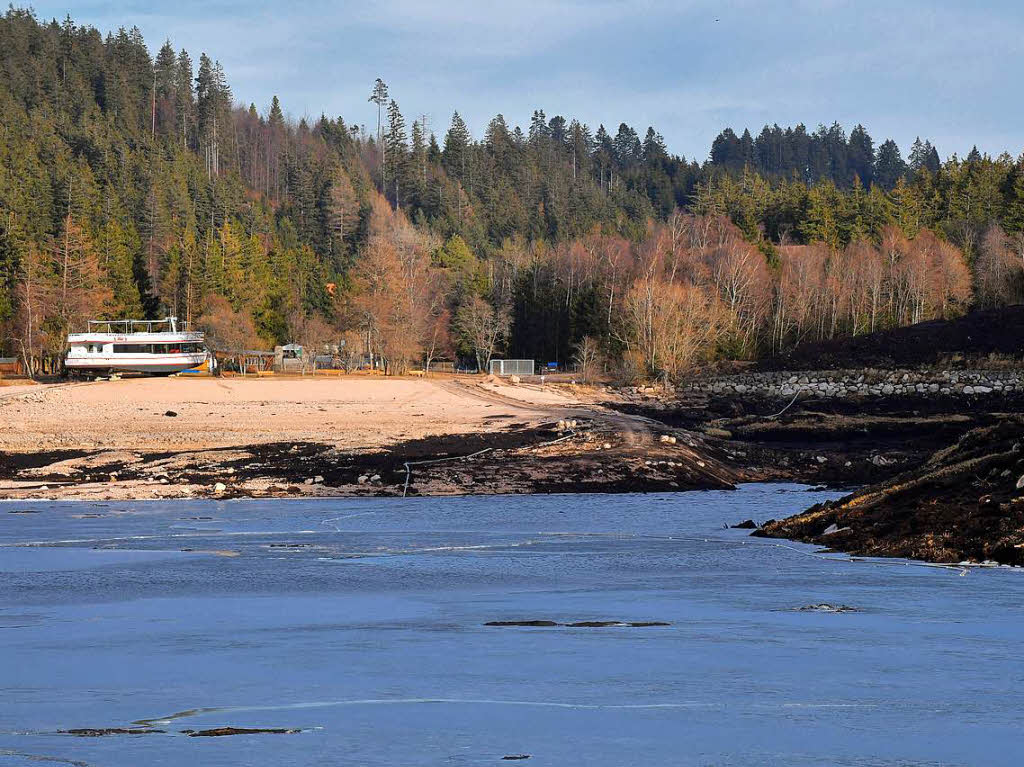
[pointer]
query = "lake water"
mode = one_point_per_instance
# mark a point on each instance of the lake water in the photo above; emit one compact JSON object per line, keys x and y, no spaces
{"x":360,"y":622}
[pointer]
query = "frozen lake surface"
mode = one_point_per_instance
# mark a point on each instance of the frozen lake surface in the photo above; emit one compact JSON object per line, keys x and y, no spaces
{"x":361,"y":623}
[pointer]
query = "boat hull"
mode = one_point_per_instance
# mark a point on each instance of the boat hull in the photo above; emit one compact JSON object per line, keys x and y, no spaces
{"x":156,"y":364}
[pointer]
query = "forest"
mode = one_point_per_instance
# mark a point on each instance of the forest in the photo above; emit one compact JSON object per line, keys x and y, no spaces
{"x":134,"y":185}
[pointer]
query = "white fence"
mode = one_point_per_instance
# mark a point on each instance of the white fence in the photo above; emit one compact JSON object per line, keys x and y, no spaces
{"x":512,"y":367}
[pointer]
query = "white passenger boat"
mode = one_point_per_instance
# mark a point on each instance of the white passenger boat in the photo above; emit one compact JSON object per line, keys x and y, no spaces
{"x":160,"y":347}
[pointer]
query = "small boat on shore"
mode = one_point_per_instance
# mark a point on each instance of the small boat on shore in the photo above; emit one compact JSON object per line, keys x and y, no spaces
{"x":157,"y":347}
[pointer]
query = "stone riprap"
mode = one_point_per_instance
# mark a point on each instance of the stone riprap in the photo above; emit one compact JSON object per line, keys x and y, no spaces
{"x":863,"y":383}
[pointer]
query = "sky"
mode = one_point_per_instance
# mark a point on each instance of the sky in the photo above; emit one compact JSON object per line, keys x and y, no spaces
{"x":947,"y":71}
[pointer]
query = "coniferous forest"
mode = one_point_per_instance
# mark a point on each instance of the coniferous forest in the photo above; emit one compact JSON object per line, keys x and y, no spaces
{"x":134,"y":186}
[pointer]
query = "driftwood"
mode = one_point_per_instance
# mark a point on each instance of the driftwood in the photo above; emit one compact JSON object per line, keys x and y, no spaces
{"x":409,"y":464}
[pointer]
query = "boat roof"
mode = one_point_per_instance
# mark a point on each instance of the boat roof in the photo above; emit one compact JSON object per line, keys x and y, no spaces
{"x":166,"y":325}
{"x":165,"y":335}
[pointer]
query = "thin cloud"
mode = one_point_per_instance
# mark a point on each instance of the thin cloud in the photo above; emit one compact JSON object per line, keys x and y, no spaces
{"x":931,"y":68}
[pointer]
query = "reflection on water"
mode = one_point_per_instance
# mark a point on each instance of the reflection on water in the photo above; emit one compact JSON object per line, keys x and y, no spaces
{"x":361,"y":623}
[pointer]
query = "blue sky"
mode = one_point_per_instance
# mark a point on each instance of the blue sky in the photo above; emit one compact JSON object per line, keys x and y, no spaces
{"x":948,"y":71}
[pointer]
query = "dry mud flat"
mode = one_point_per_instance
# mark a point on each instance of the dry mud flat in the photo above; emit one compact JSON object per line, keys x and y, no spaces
{"x":161,"y":438}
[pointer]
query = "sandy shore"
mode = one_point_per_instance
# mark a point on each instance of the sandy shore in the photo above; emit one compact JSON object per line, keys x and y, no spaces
{"x":350,"y":412}
{"x":181,"y":437}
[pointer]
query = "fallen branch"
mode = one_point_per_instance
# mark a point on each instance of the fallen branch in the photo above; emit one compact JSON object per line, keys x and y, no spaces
{"x":787,"y":407}
{"x":408,"y":464}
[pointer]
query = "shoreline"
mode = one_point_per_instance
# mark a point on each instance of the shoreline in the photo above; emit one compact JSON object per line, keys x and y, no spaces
{"x":139,"y":439}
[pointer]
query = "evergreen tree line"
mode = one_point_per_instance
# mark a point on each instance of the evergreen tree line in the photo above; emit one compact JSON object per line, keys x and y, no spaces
{"x":132,"y":185}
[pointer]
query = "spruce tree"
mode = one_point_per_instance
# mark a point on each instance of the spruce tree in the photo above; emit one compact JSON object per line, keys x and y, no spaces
{"x":397,"y":150}
{"x":889,"y":166}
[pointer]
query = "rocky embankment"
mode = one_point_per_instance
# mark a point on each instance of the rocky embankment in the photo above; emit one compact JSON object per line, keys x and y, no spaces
{"x":830,"y":432}
{"x":937,"y":453}
{"x":964,"y":504}
{"x":863,"y":383}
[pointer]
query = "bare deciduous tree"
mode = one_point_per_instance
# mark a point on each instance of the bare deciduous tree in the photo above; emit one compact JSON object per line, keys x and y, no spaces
{"x":483,"y":328}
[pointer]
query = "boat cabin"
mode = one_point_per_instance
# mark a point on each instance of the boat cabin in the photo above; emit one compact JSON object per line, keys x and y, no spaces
{"x":160,"y":347}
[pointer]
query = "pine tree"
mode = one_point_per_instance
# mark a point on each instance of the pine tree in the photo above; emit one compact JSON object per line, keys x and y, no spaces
{"x":916,"y":159}
{"x":397,"y":150}
{"x":889,"y":167}
{"x":654,"y":149}
{"x":184,"y":100}
{"x":861,"y":156}
{"x":379,"y":96}
{"x":116,"y":257}
{"x":456,"y":147}
{"x":164,"y":71}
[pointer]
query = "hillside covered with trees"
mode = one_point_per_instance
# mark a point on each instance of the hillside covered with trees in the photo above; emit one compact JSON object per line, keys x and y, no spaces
{"x":134,"y":185}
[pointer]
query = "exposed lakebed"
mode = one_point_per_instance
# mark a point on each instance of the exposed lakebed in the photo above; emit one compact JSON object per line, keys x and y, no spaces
{"x":354,"y":632}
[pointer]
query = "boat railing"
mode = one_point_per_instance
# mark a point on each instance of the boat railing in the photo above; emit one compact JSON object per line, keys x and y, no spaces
{"x":166,"y":325}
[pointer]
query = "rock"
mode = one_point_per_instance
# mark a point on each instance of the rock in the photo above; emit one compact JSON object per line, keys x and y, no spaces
{"x":821,"y":459}
{"x":607,"y":446}
{"x":614,"y":624}
{"x":824,"y":607}
{"x":1020,"y":482}
{"x":318,"y":480}
{"x":580,"y":624}
{"x":363,"y":479}
{"x":220,"y":487}
{"x":171,"y":414}
{"x":218,"y":732}
{"x":97,"y":732}
{"x":833,"y":529}
{"x":308,"y":481}
{"x":747,"y":524}
{"x":375,"y":479}
{"x":514,"y":379}
{"x":540,"y":624}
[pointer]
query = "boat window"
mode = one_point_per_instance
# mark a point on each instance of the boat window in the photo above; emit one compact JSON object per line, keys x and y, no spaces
{"x":164,"y":348}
